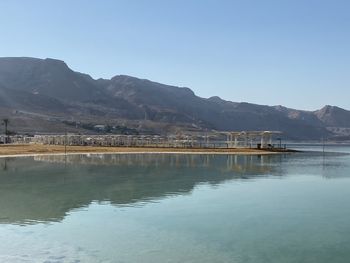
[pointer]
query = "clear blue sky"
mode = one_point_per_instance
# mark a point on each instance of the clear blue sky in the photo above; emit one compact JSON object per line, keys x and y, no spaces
{"x":295,"y":53}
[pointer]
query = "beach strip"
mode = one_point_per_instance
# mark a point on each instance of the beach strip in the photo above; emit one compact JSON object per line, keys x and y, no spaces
{"x":9,"y":150}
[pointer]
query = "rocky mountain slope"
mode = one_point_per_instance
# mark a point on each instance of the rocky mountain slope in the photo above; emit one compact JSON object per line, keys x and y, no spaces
{"x":45,"y":95}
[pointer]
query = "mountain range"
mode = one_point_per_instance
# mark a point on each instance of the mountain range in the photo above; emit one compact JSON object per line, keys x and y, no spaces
{"x":46,"y":96}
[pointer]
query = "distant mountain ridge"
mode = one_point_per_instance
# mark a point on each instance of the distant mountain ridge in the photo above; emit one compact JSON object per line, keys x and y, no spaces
{"x":45,"y":95}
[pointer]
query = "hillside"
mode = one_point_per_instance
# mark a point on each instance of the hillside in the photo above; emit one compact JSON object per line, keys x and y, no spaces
{"x":45,"y":95}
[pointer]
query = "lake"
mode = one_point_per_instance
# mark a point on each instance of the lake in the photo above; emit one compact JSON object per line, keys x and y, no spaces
{"x":176,"y":208}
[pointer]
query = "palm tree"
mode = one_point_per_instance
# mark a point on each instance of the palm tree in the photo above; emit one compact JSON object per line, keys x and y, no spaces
{"x":5,"y":122}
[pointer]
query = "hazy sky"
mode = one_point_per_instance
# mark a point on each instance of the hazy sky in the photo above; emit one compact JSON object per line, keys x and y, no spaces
{"x":295,"y":53}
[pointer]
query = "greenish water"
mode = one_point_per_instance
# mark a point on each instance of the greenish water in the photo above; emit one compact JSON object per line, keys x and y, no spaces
{"x":176,"y":208}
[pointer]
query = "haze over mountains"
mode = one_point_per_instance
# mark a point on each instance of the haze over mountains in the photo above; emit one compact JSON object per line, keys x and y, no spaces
{"x":46,"y":96}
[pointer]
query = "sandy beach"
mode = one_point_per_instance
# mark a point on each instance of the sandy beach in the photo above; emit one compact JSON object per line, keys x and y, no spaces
{"x":39,"y":149}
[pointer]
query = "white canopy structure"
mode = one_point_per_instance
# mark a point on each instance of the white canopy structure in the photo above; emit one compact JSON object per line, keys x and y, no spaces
{"x":246,"y":138}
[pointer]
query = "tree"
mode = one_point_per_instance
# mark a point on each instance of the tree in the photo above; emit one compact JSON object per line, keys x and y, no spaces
{"x":5,"y":122}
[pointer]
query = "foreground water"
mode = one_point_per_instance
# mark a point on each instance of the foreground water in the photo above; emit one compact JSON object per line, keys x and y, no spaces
{"x":176,"y":208}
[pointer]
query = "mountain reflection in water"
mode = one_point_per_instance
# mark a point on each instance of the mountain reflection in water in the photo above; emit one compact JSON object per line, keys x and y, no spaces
{"x":46,"y":188}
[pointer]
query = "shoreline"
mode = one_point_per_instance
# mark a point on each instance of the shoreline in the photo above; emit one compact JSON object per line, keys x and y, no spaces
{"x":32,"y":150}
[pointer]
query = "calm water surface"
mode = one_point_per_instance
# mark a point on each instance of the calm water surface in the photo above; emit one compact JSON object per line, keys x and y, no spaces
{"x":176,"y":208}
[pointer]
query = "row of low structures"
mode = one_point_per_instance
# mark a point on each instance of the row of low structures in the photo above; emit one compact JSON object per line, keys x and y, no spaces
{"x":245,"y":139}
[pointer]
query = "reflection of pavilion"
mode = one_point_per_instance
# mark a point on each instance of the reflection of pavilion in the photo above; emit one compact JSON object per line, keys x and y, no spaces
{"x":233,"y":163}
{"x":259,"y":164}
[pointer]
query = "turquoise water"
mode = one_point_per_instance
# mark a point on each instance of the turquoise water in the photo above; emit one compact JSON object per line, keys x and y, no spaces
{"x":176,"y":208}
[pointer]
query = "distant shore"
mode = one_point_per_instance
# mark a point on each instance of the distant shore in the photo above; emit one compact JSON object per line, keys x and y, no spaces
{"x":8,"y":150}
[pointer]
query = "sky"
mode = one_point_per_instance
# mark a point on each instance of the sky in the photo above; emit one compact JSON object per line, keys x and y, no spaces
{"x":294,"y":53}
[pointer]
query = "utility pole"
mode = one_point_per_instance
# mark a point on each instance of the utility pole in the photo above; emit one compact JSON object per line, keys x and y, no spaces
{"x":323,"y":145}
{"x":65,"y":148}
